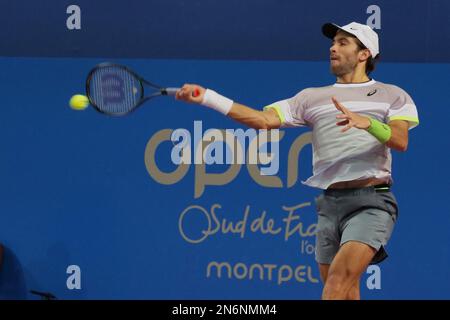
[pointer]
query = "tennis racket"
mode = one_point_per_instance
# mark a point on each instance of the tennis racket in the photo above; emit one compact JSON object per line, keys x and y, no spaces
{"x":114,"y":89}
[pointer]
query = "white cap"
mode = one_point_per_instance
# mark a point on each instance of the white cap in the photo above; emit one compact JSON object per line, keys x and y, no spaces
{"x":364,"y":33}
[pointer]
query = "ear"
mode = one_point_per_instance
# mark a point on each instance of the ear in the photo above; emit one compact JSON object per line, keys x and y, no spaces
{"x":364,"y":55}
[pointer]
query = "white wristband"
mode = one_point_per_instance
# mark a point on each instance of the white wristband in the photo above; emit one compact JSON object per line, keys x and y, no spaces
{"x":217,"y":102}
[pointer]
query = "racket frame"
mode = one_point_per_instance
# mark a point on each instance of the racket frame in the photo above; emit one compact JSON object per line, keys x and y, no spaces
{"x":142,"y":99}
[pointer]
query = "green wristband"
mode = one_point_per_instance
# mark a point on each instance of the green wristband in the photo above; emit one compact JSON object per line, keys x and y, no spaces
{"x":379,"y":130}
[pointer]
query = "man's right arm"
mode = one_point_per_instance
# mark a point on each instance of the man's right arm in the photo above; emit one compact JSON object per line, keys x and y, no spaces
{"x":252,"y":118}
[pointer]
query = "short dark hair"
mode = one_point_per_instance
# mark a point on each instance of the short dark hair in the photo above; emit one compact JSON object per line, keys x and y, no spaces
{"x":371,"y":61}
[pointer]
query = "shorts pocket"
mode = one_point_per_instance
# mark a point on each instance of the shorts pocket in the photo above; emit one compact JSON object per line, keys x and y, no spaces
{"x":389,"y":203}
{"x":318,"y":201}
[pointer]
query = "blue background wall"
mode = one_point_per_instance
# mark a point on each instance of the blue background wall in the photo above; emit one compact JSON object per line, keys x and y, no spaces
{"x":75,"y":189}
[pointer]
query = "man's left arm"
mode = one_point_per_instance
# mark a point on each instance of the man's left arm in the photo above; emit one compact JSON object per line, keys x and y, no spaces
{"x":399,"y":135}
{"x":394,"y":134}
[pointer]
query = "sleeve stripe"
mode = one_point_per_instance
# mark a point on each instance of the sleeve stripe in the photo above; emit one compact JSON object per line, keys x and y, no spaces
{"x":278,"y":110}
{"x":411,"y":119}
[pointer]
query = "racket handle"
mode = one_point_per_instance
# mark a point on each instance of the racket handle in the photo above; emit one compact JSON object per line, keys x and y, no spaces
{"x":170,"y":91}
{"x":173,"y":91}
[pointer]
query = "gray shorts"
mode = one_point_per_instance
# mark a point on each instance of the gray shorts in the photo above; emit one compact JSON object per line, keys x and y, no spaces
{"x":366,"y":215}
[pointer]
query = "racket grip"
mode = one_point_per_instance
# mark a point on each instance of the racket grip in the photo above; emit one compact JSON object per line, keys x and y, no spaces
{"x":171,"y":91}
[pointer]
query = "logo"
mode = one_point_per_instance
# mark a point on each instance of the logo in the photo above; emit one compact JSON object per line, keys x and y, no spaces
{"x":189,"y":153}
{"x":371,"y":93}
{"x":74,"y":279}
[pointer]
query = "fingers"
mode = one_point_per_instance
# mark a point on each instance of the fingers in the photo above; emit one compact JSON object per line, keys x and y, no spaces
{"x":346,"y":128}
{"x":346,"y":119}
{"x":342,"y":123}
{"x":184,"y":92}
{"x":336,"y":103}
{"x":339,"y":106}
{"x":190,"y":93}
{"x":346,"y":116}
{"x":347,"y":122}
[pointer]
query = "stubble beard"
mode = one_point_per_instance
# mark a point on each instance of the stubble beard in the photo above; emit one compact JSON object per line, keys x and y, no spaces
{"x":343,"y":68}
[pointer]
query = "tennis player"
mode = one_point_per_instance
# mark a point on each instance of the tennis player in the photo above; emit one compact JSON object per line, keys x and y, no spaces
{"x":355,"y":123}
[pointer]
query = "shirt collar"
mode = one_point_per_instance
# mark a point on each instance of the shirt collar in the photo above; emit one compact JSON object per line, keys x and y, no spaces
{"x":353,"y":85}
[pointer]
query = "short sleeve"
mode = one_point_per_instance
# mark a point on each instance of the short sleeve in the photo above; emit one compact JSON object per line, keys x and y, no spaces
{"x":290,"y":111}
{"x":403,"y":108}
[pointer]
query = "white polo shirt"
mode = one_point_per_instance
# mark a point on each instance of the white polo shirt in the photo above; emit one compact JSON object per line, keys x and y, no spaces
{"x":355,"y":154}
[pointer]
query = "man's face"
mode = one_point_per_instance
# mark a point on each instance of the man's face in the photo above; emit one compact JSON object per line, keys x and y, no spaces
{"x":344,"y":54}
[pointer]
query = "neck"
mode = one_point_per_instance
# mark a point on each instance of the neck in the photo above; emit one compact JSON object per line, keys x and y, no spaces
{"x":356,"y":76}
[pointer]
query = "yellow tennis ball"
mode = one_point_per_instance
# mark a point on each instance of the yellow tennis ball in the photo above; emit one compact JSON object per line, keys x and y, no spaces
{"x":79,"y":102}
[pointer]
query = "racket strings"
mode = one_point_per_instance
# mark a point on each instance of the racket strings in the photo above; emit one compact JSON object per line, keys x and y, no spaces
{"x":114,"y":90}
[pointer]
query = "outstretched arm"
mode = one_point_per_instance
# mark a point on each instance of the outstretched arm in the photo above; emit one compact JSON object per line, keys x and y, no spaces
{"x":250,"y":117}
